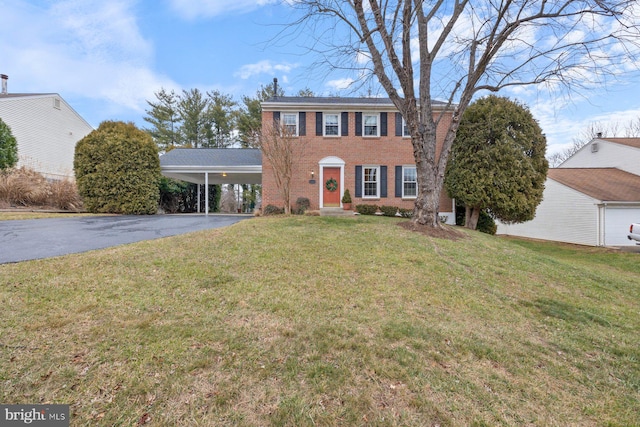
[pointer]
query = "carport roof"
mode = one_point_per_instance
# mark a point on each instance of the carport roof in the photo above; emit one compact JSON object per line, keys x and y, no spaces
{"x":223,"y":165}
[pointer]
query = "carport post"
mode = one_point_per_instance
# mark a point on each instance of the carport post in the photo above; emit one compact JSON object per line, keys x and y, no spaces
{"x":198,"y":198}
{"x":206,"y":193}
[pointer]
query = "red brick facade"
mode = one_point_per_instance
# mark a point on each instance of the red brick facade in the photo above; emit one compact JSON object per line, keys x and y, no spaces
{"x":357,"y":157}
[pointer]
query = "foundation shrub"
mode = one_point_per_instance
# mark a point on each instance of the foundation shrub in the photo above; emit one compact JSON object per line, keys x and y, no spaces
{"x":272,"y":210}
{"x":301,"y":206}
{"x":366,"y":209}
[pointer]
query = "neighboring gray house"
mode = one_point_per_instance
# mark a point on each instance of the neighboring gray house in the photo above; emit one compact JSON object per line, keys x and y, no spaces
{"x":591,"y":198}
{"x":46,"y":129}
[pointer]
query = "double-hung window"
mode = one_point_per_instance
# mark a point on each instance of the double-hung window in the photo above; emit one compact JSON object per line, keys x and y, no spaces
{"x":290,"y":123}
{"x":371,"y":181}
{"x":409,"y":181}
{"x":405,"y":128}
{"x":370,"y":125}
{"x":331,"y":124}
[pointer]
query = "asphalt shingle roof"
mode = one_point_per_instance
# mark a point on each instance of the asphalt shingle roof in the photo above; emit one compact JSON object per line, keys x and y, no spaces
{"x":212,"y":157}
{"x":604,"y":184}
{"x":632,"y":142}
{"x":323,"y":100}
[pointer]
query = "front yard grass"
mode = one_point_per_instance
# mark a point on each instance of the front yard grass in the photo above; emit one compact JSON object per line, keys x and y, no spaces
{"x":300,"y":321}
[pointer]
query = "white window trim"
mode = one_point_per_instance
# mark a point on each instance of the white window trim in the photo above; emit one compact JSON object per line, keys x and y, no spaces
{"x":377,"y":116}
{"x":296,"y":115}
{"x":404,"y":127}
{"x":403,"y":182}
{"x":324,"y":124}
{"x":377,"y":167}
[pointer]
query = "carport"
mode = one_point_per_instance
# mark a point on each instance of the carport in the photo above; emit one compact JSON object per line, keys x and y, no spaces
{"x":213,"y":166}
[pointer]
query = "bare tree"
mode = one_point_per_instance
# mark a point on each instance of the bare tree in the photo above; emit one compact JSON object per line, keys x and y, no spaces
{"x":280,"y":147}
{"x":453,"y":49}
{"x":595,"y":130}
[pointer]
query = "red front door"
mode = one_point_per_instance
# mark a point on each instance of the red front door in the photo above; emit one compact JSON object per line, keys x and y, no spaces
{"x":331,"y":187}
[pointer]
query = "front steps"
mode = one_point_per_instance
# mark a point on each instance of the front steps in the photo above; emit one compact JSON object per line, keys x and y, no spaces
{"x":335,"y":212}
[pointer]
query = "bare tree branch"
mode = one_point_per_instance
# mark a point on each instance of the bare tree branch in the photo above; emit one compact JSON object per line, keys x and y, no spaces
{"x":451,"y":50}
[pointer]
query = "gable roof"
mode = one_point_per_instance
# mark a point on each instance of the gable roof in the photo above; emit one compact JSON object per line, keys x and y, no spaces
{"x":604,"y":184}
{"x":632,"y":142}
{"x":24,"y":95}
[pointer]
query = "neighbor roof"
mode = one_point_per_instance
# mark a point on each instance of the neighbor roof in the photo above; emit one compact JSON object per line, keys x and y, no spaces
{"x":604,"y":184}
{"x":212,"y":157}
{"x":632,"y":142}
{"x":24,"y":95}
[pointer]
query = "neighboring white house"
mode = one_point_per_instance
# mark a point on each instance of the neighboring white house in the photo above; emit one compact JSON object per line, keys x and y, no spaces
{"x":46,"y":129}
{"x":621,"y":153}
{"x":591,"y":198}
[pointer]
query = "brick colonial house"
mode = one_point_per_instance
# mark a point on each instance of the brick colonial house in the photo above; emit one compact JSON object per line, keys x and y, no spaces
{"x":359,"y":144}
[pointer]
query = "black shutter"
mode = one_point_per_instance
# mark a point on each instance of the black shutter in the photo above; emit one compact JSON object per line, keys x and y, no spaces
{"x":358,"y":181}
{"x":398,"y":181}
{"x":318,"y":124}
{"x":276,"y":118}
{"x":383,"y":181}
{"x":383,"y":124}
{"x":358,"y":124}
{"x":302,"y":123}
{"x":345,"y":124}
{"x":399,"y":124}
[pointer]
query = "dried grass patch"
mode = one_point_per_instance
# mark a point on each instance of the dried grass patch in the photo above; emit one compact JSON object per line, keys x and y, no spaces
{"x":23,"y":187}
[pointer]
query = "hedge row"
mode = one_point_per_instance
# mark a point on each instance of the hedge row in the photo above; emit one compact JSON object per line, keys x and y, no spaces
{"x":384,"y":210}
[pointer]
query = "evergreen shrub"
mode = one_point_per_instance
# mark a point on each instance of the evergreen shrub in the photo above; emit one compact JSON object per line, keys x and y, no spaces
{"x":118,"y":170}
{"x":366,"y":209}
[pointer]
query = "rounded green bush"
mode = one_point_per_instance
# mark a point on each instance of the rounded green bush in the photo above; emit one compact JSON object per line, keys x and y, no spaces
{"x":8,"y":147}
{"x":117,"y":170}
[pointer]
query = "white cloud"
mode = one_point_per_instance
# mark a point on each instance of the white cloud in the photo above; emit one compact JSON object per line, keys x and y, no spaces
{"x":193,"y":9}
{"x":263,"y":67}
{"x":340,"y":84}
{"x":80,"y":49}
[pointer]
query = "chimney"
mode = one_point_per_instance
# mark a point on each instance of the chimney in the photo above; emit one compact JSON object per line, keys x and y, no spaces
{"x":275,"y":87}
{"x":4,"y":78}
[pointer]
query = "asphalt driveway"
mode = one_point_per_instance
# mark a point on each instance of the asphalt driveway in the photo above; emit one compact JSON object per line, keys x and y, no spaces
{"x":43,"y":238}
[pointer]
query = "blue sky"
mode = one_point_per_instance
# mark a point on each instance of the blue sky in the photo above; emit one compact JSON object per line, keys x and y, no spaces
{"x":106,"y":58}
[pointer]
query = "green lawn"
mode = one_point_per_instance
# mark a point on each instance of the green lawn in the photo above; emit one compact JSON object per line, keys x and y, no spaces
{"x":301,"y":321}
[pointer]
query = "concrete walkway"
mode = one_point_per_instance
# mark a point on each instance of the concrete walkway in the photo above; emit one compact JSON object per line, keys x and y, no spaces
{"x":22,"y":240}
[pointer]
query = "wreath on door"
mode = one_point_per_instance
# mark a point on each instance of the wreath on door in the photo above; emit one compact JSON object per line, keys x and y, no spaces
{"x":331,"y":184}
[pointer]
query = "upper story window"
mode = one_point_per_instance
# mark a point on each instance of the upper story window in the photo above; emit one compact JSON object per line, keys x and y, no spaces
{"x":290,"y":122}
{"x":331,"y":124}
{"x":370,"y":125}
{"x":405,"y":128}
{"x":409,"y":181}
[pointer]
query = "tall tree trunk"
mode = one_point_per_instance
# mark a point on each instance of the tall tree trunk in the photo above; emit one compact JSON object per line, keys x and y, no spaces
{"x":471,"y":216}
{"x":430,"y":174}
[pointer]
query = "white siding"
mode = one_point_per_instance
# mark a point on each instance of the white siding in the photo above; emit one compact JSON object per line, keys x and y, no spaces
{"x":46,"y":135}
{"x":564,"y":215}
{"x":608,"y":155}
